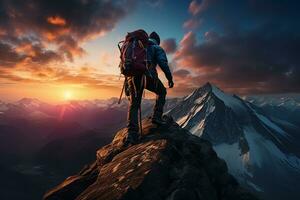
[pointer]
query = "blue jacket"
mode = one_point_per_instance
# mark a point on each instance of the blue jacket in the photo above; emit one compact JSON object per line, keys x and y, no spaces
{"x":157,"y":56}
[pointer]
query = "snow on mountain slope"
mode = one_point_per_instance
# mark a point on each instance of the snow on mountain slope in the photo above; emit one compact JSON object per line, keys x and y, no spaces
{"x":230,"y":101}
{"x":280,"y":108}
{"x":258,"y":151}
{"x":291,"y":102}
{"x":271,"y":126}
{"x":264,"y":147}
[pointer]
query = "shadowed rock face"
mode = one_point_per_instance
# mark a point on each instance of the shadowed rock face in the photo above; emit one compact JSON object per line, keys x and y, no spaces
{"x":168,"y":163}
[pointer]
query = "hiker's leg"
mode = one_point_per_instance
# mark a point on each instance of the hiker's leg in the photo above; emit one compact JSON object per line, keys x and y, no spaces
{"x":135,"y":90}
{"x":156,"y":86}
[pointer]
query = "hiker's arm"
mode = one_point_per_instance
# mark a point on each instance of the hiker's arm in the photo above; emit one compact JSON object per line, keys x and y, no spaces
{"x":162,"y":61}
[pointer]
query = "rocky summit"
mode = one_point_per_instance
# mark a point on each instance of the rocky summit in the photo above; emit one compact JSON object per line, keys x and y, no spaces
{"x":168,"y":163}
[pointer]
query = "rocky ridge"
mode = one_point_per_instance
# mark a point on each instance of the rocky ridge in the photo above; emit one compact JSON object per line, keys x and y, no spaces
{"x":168,"y":163}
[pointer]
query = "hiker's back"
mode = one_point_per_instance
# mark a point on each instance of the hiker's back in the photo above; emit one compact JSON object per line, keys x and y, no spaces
{"x":134,"y":53}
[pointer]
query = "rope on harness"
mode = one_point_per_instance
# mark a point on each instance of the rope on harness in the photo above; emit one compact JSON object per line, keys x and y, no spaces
{"x":142,"y":89}
{"x":140,"y":120}
{"x":144,"y":85}
{"x":136,"y":93}
{"x":120,"y":98}
{"x":134,"y":86}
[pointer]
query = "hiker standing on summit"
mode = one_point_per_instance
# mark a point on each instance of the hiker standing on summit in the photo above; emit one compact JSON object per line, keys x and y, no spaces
{"x":155,"y":55}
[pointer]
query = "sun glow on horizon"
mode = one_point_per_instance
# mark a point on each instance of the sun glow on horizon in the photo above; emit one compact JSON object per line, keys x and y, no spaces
{"x":68,"y":95}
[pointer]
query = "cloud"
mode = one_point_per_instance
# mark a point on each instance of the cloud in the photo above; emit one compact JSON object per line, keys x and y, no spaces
{"x":197,"y":7}
{"x":248,"y":62}
{"x":86,"y":77}
{"x":253,"y":53}
{"x":8,"y":56}
{"x":181,"y":73}
{"x":62,"y":23}
{"x":38,"y":37}
{"x":56,"y":20}
{"x":192,"y":23}
{"x":169,"y":45}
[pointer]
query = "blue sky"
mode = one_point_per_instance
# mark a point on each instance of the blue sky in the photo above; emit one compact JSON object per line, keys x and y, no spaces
{"x":166,"y":18}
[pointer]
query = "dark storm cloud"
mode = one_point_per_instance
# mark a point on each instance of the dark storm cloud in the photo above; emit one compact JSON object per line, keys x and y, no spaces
{"x":65,"y":23}
{"x":169,"y":45}
{"x":256,"y":52}
{"x":264,"y":64}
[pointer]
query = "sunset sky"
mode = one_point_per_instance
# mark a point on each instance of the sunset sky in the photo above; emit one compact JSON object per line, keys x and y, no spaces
{"x":56,"y":50}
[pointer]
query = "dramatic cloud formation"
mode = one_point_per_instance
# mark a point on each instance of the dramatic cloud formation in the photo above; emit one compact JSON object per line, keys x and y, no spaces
{"x":169,"y":45}
{"x":38,"y":37}
{"x":28,"y":27}
{"x":256,"y":53}
{"x":86,"y":77}
{"x":244,"y":47}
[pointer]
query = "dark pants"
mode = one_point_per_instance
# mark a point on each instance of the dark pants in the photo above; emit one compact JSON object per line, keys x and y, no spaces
{"x":135,"y":86}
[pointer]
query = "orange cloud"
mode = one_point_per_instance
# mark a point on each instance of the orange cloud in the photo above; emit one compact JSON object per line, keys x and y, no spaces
{"x":31,"y":80}
{"x":56,"y":20}
{"x":67,"y":29}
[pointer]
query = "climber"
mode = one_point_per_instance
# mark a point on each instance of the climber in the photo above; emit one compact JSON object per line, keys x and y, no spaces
{"x":150,"y":81}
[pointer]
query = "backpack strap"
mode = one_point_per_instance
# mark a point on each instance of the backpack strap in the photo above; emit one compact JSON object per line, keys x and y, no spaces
{"x":119,"y":44}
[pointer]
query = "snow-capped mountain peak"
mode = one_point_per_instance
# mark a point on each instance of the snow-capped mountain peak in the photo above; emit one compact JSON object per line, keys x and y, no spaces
{"x":242,"y":134}
{"x":211,"y":90}
{"x":205,"y":102}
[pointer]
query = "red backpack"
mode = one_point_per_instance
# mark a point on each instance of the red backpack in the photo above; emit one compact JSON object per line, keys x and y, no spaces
{"x":134,"y":53}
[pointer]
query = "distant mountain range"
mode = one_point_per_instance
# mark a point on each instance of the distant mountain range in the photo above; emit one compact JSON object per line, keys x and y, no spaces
{"x":282,"y":109}
{"x":258,"y":136}
{"x":39,"y":140}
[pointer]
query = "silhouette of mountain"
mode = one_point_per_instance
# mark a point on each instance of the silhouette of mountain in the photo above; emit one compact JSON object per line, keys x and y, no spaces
{"x":15,"y":185}
{"x":77,"y":150}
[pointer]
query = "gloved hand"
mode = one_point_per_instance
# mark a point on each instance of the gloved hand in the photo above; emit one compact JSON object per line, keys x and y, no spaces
{"x":171,"y":83}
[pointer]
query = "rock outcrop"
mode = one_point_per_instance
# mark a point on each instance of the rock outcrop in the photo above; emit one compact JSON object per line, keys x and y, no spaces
{"x":168,"y":163}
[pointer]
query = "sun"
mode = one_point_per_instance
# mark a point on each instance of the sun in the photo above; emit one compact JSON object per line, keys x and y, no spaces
{"x":68,"y":95}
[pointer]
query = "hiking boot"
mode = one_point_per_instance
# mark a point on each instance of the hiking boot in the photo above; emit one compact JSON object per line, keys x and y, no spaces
{"x":158,"y":121}
{"x":132,"y":138}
